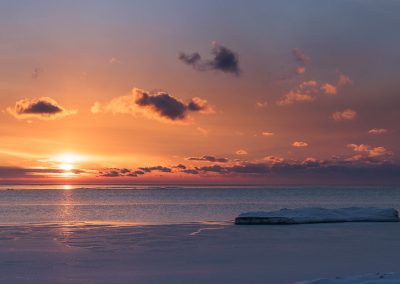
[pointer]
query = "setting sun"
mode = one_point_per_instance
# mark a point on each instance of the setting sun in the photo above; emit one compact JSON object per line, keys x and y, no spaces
{"x":68,"y":158}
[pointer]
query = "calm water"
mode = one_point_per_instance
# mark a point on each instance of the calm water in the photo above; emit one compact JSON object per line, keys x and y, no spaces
{"x":163,"y":205}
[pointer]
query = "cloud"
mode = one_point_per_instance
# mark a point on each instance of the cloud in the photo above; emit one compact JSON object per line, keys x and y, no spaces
{"x":160,"y":105}
{"x":156,"y":168}
{"x":300,"y":70}
{"x":125,"y":172}
{"x":369,"y":151}
{"x":200,"y":105}
{"x":214,"y":169}
{"x":42,"y":108}
{"x":308,"y":91}
{"x":377,"y":131}
{"x":343,"y":79}
{"x":191,"y":171}
{"x":329,"y":89}
{"x":293,"y":97}
{"x":241,"y":152}
{"x":111,"y":173}
{"x":304,"y":92}
{"x":267,"y":134}
{"x":300,"y":56}
{"x":193,"y":59}
{"x":347,"y":114}
{"x":262,"y":104}
{"x":301,"y":59}
{"x":180,"y":166}
{"x":208,"y":158}
{"x":299,"y":144}
{"x":224,"y":60}
{"x":368,"y":163}
{"x":273,"y":159}
{"x":20,"y":172}
{"x":333,"y":170}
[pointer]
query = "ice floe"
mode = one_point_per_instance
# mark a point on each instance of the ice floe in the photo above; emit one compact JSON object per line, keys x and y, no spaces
{"x":318,"y":215}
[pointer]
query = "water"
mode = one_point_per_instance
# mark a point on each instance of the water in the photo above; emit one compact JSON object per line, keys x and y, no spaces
{"x":168,"y":205}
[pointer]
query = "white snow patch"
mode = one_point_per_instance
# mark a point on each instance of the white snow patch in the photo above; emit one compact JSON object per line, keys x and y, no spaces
{"x":373,"y":278}
{"x":319,"y":215}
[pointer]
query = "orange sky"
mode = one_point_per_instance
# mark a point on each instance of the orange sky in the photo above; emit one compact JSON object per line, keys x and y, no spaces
{"x":150,"y":92}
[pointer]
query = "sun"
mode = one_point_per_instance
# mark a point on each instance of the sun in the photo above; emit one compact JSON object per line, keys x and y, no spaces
{"x":68,"y":158}
{"x":67,"y":162}
{"x":66,"y":167}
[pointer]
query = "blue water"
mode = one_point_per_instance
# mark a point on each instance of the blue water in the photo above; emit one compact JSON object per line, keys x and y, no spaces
{"x":167,"y":205}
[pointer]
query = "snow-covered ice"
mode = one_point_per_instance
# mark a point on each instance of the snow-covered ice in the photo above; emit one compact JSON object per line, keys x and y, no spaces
{"x":372,"y":278}
{"x":319,"y":215}
{"x":194,"y":253}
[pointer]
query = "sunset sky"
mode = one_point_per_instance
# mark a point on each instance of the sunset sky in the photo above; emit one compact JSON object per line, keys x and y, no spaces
{"x":266,"y":92}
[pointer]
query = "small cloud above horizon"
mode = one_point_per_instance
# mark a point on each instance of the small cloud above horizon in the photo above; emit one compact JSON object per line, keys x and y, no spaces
{"x":299,"y":144}
{"x":241,"y":152}
{"x":44,"y":108}
{"x":377,"y":131}
{"x":347,"y":114}
{"x":267,"y":134}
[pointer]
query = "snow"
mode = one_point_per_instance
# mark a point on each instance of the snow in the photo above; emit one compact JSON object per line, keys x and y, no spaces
{"x":194,"y":253}
{"x":319,"y":215}
{"x":372,"y":278}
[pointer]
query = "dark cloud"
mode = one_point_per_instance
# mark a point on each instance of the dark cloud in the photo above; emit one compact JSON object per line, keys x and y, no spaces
{"x":156,"y":168}
{"x":111,"y":173}
{"x":224,"y":60}
{"x":335,"y":170}
{"x":164,"y":104}
{"x":209,"y":159}
{"x":214,"y":169}
{"x":159,"y":105}
{"x":180,"y":166}
{"x":124,"y":172}
{"x":191,"y":171}
{"x":20,"y":172}
{"x":43,"y":108}
{"x":249,"y":168}
{"x":191,"y":59}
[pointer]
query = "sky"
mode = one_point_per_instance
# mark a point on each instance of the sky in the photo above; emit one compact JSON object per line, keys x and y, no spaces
{"x":263,"y":92}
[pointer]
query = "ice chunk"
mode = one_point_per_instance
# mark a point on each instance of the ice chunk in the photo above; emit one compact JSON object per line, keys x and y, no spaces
{"x":373,"y":278}
{"x":318,"y":215}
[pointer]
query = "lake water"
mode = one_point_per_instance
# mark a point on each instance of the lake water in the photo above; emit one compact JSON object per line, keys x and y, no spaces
{"x":173,"y":204}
